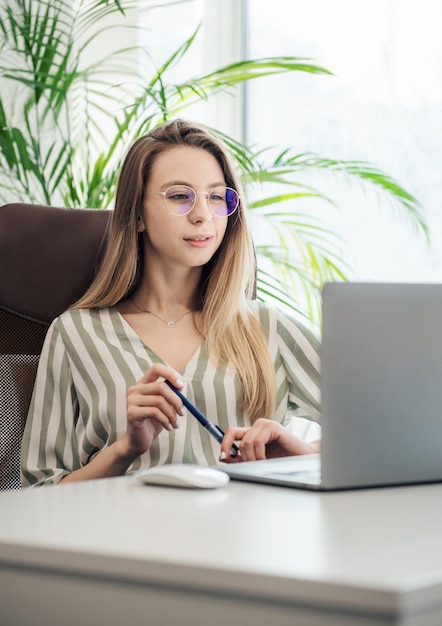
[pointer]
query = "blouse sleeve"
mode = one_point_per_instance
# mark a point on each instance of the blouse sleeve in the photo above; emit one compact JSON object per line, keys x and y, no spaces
{"x":49,"y":446}
{"x":299,"y":359}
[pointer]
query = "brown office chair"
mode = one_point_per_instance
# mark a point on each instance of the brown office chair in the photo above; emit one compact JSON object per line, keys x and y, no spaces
{"x":48,"y":257}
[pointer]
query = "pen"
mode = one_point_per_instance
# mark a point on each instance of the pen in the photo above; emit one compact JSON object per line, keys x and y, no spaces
{"x":213,"y":429}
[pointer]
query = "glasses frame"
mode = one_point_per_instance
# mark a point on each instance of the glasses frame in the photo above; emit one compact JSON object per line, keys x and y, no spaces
{"x":206,"y":193}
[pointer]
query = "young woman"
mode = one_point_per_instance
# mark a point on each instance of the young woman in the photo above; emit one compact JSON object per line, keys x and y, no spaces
{"x":172,"y":300}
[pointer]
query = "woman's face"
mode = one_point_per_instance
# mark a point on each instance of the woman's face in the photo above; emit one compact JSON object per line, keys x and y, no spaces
{"x":192,"y":239}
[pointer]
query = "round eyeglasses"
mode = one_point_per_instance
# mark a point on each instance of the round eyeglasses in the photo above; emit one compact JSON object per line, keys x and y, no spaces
{"x":180,"y":199}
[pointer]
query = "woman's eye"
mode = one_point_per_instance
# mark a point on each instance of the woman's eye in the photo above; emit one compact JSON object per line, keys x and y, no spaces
{"x":179,"y":197}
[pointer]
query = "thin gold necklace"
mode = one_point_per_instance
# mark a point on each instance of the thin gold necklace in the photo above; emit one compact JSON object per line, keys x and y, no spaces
{"x":169,"y":324}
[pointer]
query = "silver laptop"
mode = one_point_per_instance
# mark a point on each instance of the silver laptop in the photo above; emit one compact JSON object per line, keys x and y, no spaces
{"x":381,"y":392}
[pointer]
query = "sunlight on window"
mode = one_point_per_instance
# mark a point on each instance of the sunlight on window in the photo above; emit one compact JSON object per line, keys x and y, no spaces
{"x":383,"y":105}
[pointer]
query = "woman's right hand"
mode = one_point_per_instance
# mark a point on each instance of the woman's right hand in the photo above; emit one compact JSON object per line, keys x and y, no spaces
{"x":151,"y":406}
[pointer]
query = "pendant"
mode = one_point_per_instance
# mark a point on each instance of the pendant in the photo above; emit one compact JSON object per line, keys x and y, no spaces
{"x":171,"y":324}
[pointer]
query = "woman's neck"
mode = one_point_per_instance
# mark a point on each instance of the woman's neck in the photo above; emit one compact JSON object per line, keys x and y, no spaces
{"x":170,"y":294}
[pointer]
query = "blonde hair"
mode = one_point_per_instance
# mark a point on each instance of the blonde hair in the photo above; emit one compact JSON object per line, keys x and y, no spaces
{"x":233,"y":335}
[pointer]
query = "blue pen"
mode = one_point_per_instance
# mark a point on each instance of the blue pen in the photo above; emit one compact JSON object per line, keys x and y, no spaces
{"x":213,"y":429}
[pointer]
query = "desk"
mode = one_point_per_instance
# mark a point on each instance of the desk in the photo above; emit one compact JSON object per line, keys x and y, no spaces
{"x":113,"y":552}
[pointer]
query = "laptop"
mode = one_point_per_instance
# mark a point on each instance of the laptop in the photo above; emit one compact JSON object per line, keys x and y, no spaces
{"x":381,"y":392}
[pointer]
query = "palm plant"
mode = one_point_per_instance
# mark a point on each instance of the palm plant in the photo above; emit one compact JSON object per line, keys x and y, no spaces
{"x":65,"y":126}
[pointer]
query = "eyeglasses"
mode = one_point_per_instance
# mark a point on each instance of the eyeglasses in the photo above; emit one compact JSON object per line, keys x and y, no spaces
{"x":180,"y":199}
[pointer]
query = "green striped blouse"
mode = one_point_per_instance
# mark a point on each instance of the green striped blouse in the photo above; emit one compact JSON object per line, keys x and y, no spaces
{"x":91,"y":357}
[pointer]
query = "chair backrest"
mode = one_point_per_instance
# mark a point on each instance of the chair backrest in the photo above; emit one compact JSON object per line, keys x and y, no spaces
{"x":48,"y":257}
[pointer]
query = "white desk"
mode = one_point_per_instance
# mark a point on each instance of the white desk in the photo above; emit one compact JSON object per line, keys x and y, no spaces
{"x":112,"y":552}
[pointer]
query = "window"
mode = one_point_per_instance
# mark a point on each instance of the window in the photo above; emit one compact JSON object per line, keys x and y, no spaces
{"x":166,"y":25}
{"x":383,"y":105}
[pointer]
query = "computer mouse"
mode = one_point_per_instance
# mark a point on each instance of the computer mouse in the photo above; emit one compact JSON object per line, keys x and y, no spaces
{"x":184,"y":475}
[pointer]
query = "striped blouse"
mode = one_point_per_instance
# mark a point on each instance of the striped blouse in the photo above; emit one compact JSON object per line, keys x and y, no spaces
{"x":91,"y":357}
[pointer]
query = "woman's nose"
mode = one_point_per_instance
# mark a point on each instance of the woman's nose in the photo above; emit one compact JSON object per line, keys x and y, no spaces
{"x":201,"y":210}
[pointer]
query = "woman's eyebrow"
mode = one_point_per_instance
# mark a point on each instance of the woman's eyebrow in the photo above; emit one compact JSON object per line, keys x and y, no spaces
{"x":171,"y":183}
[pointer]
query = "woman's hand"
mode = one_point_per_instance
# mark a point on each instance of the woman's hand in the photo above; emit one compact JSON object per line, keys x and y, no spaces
{"x":266,"y":439}
{"x":151,"y":406}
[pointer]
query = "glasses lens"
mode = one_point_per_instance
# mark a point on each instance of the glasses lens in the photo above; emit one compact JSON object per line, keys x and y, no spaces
{"x":179,"y":199}
{"x":223,"y":201}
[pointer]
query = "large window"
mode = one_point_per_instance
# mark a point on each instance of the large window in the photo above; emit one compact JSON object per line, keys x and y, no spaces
{"x":383,"y":105}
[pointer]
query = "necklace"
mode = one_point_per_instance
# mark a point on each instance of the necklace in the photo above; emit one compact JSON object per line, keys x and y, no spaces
{"x":169,"y":324}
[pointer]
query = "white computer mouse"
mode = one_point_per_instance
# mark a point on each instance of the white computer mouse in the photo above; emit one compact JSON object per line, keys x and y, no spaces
{"x":184,"y":475}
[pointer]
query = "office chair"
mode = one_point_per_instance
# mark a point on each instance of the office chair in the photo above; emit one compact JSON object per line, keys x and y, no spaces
{"x":48,"y":257}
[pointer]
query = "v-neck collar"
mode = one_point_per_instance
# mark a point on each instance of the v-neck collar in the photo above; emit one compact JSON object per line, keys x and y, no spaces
{"x":141,"y":347}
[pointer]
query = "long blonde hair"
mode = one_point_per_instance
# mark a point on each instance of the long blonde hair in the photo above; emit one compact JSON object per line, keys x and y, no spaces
{"x":232,"y":333}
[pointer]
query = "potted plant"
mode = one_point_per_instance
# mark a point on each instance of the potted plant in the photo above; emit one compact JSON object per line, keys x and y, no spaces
{"x":65,"y":126}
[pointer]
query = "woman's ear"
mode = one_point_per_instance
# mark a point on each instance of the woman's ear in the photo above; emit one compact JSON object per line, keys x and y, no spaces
{"x":141,"y":224}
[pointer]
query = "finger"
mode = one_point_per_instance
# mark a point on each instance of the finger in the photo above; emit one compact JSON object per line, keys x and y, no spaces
{"x":139,"y":416}
{"x":158,"y":371}
{"x":158,"y":387}
{"x":253,"y":444}
{"x":253,"y":451}
{"x":152,"y":401}
{"x":252,"y":447}
{"x":230,"y":436}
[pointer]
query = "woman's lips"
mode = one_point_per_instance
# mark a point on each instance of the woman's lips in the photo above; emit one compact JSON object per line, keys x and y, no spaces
{"x":201,"y":241}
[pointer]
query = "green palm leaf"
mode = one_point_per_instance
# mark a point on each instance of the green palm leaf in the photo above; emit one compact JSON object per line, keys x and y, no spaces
{"x":68,"y":125}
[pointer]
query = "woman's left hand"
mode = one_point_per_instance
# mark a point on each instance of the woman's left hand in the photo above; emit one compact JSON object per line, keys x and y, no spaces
{"x":266,"y":439}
